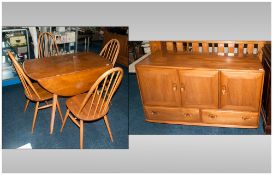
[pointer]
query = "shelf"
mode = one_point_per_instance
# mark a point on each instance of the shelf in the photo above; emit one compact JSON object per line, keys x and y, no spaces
{"x":9,"y":75}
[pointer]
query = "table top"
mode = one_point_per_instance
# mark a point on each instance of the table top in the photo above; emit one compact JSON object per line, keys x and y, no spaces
{"x":67,"y":75}
{"x":64,"y":64}
{"x":202,"y":61}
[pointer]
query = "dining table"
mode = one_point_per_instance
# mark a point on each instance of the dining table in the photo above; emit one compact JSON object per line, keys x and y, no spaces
{"x":66,"y":75}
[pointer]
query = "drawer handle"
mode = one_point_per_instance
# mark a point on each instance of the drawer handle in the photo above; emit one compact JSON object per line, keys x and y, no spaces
{"x":154,"y":113}
{"x":212,"y":116}
{"x":245,"y":118}
{"x":187,"y":115}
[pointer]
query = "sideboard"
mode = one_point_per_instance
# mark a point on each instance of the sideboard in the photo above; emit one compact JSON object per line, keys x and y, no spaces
{"x":206,"y":89}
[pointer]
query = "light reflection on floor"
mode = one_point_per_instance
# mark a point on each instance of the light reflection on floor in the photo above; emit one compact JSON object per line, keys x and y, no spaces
{"x":26,"y":146}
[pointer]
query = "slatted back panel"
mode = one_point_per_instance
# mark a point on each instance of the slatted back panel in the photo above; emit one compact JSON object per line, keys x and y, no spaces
{"x":229,"y":48}
{"x":47,"y":45}
{"x":30,"y":91}
{"x":97,"y":100}
{"x":111,"y":50}
{"x":155,"y":46}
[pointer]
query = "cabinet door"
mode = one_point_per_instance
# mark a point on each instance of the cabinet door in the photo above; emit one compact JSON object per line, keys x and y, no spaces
{"x":159,"y":86}
{"x":199,"y":88}
{"x":241,"y":90}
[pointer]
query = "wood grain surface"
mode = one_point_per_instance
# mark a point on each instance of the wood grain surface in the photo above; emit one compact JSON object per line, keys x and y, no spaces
{"x":203,"y":89}
{"x":67,"y":75}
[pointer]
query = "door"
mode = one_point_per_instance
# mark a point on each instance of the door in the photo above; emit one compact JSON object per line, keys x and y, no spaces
{"x":241,"y":90}
{"x":199,"y":88}
{"x":159,"y":86}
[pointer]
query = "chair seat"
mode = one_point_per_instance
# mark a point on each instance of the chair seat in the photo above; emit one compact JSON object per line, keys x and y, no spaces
{"x":44,"y":94}
{"x":74,"y":104}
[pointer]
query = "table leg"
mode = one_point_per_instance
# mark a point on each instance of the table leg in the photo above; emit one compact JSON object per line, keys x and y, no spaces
{"x":54,"y":104}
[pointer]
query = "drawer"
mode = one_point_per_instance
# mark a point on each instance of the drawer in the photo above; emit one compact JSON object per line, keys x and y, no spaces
{"x":230,"y":117}
{"x":172,"y":114}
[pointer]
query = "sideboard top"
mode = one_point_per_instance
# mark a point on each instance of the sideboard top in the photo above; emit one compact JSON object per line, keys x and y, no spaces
{"x":205,"y":61}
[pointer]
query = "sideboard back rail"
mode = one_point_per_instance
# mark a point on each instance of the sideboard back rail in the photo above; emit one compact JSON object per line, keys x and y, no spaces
{"x":229,"y":48}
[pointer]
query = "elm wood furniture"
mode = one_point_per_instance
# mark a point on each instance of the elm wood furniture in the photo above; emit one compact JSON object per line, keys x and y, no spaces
{"x":47,"y":45}
{"x":33,"y":91}
{"x":123,"y":41}
{"x":229,"y":48}
{"x":201,"y":89}
{"x":110,"y":51}
{"x":94,"y":105}
{"x":266,"y":100}
{"x":66,"y":75}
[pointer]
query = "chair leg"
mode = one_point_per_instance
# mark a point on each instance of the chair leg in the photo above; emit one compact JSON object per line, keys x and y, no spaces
{"x":59,"y":110}
{"x":26,"y":105}
{"x":35,"y":116}
{"x":65,"y":117}
{"x":108,"y":127}
{"x":81,"y":134}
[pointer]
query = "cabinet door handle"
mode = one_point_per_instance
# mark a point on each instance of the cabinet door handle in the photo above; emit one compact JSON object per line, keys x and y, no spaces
{"x":182,"y":88}
{"x":154,"y":113}
{"x":224,"y":89}
{"x":174,"y":87}
{"x":212,"y":116}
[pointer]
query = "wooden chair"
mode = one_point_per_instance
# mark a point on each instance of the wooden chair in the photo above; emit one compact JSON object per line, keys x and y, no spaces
{"x":47,"y":45}
{"x":123,"y":41}
{"x":94,"y":104}
{"x":33,"y":91}
{"x":110,"y":51}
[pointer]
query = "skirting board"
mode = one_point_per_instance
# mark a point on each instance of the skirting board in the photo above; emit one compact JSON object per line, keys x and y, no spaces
{"x":132,"y":66}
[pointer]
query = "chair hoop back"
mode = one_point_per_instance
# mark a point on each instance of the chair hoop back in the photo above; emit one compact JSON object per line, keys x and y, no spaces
{"x":101,"y":93}
{"x":47,"y":45}
{"x":111,"y":50}
{"x":28,"y":86}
